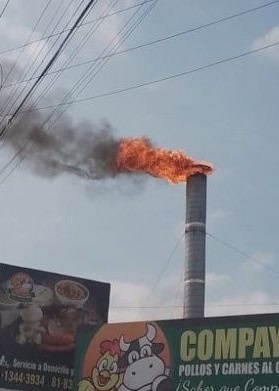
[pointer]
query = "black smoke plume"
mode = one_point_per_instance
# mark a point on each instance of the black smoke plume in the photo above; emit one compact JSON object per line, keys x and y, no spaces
{"x":83,"y":150}
{"x":50,"y":150}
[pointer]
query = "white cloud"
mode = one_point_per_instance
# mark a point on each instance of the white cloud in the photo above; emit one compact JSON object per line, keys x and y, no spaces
{"x":132,"y":301}
{"x":12,"y":32}
{"x":126,"y":298}
{"x":245,"y":303}
{"x":271,"y":37}
{"x":38,"y":50}
{"x":214,"y":280}
{"x":15,"y":35}
{"x":105,"y":32}
{"x":108,"y":32}
{"x":135,"y":301}
{"x":128,"y":293}
{"x":116,"y":29}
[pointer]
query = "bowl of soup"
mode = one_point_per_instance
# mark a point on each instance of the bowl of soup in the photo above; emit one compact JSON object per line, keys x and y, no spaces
{"x":21,"y":287}
{"x":72,"y":293}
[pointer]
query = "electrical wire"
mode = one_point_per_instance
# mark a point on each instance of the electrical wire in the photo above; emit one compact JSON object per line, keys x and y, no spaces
{"x":48,"y":87}
{"x":75,"y":55}
{"x":207,"y":306}
{"x":137,"y":86}
{"x":158,"y":40}
{"x":243,"y":253}
{"x":14,"y":64}
{"x":52,"y":46}
{"x":208,"y":234}
{"x":79,"y":26}
{"x":163,"y":269}
{"x":208,"y":24}
{"x":160,"y":80}
{"x":4,"y":8}
{"x":92,"y":72}
{"x":93,"y":75}
{"x":6,"y":107}
{"x":29,"y":37}
{"x":224,"y":243}
{"x":75,"y":52}
{"x":20,"y":154}
{"x":1,"y":76}
{"x":83,"y":78}
{"x":17,"y":97}
{"x":85,"y":39}
{"x":187,"y":72}
{"x":179,"y":287}
{"x":51,"y":62}
{"x":9,"y":168}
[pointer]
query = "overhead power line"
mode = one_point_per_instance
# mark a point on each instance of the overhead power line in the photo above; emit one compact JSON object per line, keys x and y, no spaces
{"x":127,"y":89}
{"x":14,"y":64}
{"x":84,"y":78}
{"x":155,"y":41}
{"x":13,"y":164}
{"x":75,"y":52}
{"x":159,"y":80}
{"x":12,"y":100}
{"x":1,"y":76}
{"x":51,"y":62}
{"x":4,"y":8}
{"x":165,"y":266}
{"x":122,"y":35}
{"x":30,"y":35}
{"x":163,"y":270}
{"x":181,"y":306}
{"x":79,"y":26}
{"x":140,"y":85}
{"x":243,"y":253}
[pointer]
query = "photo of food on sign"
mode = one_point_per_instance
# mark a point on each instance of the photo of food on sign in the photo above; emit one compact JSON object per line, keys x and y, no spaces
{"x":40,"y":313}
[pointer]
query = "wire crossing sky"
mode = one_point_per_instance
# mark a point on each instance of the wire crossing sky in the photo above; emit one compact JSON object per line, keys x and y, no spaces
{"x":51,"y":61}
{"x":153,"y":42}
{"x":4,"y":8}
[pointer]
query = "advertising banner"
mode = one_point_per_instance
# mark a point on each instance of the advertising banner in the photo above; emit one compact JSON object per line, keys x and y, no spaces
{"x":39,"y":316}
{"x":238,"y":353}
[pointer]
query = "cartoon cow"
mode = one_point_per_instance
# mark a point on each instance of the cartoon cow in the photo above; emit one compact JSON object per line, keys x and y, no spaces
{"x":144,"y":369}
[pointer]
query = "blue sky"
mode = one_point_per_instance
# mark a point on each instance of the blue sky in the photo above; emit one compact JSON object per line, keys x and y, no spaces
{"x":123,"y":231}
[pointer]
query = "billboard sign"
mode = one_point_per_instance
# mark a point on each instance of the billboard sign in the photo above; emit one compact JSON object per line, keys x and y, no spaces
{"x":238,"y":353}
{"x":39,"y":315}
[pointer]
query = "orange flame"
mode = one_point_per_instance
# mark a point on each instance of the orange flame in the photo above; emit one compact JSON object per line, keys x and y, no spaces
{"x":139,"y":156}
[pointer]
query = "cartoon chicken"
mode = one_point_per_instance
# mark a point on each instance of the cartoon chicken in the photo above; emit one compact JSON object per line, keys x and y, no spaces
{"x":105,"y":375}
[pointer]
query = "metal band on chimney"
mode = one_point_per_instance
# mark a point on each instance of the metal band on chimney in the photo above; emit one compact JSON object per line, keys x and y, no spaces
{"x":195,"y":280}
{"x":194,"y":226}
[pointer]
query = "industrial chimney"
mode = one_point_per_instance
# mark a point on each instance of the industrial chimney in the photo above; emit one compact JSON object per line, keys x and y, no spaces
{"x":194,"y":271}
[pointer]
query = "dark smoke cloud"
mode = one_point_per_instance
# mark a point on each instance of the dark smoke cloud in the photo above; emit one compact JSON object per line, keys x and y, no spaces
{"x":83,"y":150}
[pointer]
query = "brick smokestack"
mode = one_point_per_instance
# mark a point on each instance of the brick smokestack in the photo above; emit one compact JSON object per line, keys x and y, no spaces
{"x":195,"y":233}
